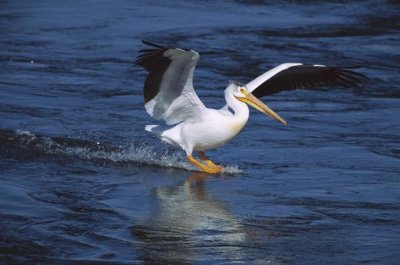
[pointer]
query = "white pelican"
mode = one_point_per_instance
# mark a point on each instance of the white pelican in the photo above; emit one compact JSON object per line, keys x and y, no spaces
{"x":169,"y":95}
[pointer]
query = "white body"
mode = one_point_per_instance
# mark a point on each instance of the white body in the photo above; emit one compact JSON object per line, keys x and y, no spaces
{"x":213,"y":129}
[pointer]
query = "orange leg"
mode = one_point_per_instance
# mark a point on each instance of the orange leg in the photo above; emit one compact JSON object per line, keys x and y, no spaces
{"x":205,"y":168}
{"x":209,"y":163}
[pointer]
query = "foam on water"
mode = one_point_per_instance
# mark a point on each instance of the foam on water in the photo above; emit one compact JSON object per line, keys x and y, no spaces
{"x":139,"y":153}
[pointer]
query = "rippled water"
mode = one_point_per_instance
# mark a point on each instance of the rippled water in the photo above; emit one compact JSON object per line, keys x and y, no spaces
{"x":81,"y":182}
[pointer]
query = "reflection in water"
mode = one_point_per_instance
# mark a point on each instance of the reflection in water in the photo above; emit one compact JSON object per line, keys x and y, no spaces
{"x":186,"y":225}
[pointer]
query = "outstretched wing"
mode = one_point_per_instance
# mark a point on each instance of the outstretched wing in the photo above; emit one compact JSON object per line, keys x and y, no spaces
{"x":290,"y":76}
{"x":168,"y":89}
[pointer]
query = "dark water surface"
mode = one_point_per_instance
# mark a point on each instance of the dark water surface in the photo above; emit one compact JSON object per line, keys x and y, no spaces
{"x":82,"y":183}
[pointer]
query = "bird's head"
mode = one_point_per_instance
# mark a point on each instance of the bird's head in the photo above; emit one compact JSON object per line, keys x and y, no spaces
{"x":241,"y":93}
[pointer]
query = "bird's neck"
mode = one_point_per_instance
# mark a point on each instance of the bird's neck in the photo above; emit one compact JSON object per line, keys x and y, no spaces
{"x":240,"y":109}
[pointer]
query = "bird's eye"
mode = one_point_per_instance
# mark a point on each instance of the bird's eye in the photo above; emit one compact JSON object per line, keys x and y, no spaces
{"x":243,"y":91}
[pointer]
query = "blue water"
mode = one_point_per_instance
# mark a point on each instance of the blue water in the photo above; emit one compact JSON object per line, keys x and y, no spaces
{"x":81,"y":182}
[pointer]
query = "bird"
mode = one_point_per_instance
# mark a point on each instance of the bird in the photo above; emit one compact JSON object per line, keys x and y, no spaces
{"x":190,"y":125}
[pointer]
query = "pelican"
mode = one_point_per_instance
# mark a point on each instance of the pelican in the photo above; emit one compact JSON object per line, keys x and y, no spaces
{"x":169,"y":95}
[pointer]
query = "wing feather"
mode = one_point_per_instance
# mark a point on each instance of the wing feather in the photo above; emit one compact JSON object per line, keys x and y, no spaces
{"x":168,"y":89}
{"x":290,"y":76}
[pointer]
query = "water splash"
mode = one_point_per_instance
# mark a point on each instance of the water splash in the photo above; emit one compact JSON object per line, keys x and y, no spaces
{"x":137,"y":152}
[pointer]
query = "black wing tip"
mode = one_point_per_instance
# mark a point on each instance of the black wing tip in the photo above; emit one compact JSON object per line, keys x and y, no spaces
{"x":146,"y":55}
{"x":152,"y":44}
{"x":354,"y":79}
{"x":349,"y":77}
{"x":347,"y":68}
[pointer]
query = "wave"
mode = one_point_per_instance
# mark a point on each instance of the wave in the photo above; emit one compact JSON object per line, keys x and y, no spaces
{"x":28,"y":144}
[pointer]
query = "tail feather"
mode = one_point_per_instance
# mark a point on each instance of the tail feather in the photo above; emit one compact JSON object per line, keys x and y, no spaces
{"x":156,"y":129}
{"x":149,"y":128}
{"x":165,"y":133}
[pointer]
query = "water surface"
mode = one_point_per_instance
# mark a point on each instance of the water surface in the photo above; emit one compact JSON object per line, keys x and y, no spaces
{"x":83,"y":183}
